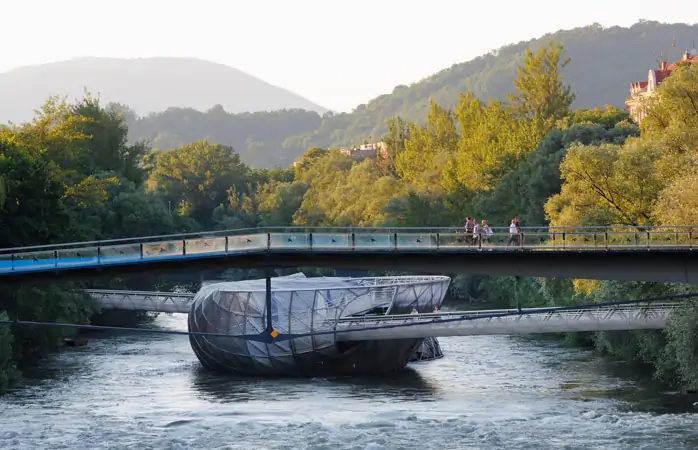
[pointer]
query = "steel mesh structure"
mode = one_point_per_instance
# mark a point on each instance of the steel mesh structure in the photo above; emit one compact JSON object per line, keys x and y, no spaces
{"x":301,"y":305}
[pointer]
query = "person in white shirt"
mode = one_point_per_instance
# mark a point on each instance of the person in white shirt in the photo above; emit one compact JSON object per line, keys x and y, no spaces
{"x":513,"y":233}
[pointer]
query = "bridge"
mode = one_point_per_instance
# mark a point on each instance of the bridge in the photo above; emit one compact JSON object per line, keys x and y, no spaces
{"x":150,"y":301}
{"x":663,"y":254}
{"x":630,"y":316}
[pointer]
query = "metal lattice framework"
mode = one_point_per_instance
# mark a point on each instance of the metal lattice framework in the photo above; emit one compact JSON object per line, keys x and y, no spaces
{"x":374,"y":318}
{"x":318,"y":240}
{"x":164,"y":302}
{"x":508,"y":322}
{"x":303,"y":306}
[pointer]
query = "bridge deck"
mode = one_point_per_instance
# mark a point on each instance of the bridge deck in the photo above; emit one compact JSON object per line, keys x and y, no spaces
{"x":225,"y":244}
{"x":151,"y":301}
{"x":507,"y":322}
{"x":457,"y":323}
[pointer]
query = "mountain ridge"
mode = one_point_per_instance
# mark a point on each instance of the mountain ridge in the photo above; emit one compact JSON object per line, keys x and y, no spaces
{"x":604,"y":61}
{"x":146,"y":85}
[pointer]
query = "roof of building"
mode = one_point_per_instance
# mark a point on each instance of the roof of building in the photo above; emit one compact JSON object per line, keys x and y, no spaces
{"x":664,"y":71}
{"x":692,"y":60}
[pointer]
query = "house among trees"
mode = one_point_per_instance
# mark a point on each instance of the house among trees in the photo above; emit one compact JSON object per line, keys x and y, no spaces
{"x":640,"y":91}
{"x":365,"y":151}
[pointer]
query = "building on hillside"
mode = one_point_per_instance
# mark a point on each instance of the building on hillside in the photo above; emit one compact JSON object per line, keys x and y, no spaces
{"x":640,"y":91}
{"x":366,"y":151}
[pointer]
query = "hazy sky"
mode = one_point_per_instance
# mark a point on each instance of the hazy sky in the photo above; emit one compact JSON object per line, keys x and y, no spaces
{"x":336,"y":53}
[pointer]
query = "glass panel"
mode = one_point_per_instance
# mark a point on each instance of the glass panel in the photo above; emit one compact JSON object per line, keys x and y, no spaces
{"x":165,"y":249}
{"x":77,"y":256}
{"x":663,"y":239}
{"x":683,"y":237}
{"x":289,"y":240}
{"x":416,"y":241}
{"x":455,"y":241}
{"x":32,"y":260}
{"x":331,"y":241}
{"x":247,"y":242}
{"x":620,"y":239}
{"x":626,"y":239}
{"x":499,"y":239}
{"x":693,"y":239}
{"x":537,"y":239}
{"x":205,"y":245}
{"x":6,"y":263}
{"x":373,"y":240}
{"x":123,"y":252}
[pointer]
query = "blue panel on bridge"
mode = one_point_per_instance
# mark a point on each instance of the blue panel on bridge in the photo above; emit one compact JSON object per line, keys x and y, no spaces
{"x":47,"y":265}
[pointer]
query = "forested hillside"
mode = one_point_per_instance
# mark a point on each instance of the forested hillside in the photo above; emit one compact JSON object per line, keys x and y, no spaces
{"x":257,"y":137}
{"x":70,"y":175}
{"x":603,"y":63}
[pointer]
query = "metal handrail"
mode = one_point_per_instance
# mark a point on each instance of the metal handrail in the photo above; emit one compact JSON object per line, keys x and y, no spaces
{"x":506,"y":312}
{"x":144,"y":293}
{"x":527,"y":230}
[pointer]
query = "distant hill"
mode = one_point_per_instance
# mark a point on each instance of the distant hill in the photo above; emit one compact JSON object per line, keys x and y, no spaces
{"x":146,"y":85}
{"x":604,"y":62}
{"x":257,"y":137}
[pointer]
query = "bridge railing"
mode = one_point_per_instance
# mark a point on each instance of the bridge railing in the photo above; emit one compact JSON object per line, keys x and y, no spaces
{"x":334,"y":239}
{"x":569,"y":311}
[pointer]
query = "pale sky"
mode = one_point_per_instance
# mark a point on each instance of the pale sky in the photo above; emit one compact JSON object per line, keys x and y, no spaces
{"x":337,"y":54}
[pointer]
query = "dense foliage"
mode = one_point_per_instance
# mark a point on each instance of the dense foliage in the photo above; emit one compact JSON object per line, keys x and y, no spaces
{"x":70,"y":175}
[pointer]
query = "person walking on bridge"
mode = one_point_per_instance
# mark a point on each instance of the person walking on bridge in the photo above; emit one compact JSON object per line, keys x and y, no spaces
{"x":513,"y":233}
{"x":469,"y":226}
{"x":486,"y":233}
{"x":477,"y":234}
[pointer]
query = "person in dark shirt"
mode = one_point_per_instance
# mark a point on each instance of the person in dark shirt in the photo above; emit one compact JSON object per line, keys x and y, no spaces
{"x":469,"y":227}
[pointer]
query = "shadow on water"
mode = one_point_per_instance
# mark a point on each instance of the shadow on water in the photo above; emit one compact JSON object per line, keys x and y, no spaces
{"x":638,"y":392}
{"x":645,"y":393}
{"x":408,"y":385}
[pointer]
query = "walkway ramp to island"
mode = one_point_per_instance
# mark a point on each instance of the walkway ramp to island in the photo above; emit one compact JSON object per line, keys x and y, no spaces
{"x":150,"y":301}
{"x":613,"y":317}
{"x":508,"y":322}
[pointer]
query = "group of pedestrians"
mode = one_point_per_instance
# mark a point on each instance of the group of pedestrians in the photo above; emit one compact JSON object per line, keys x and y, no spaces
{"x":481,"y":234}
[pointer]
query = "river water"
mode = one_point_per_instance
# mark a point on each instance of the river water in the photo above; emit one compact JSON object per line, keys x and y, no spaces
{"x":148,"y":392}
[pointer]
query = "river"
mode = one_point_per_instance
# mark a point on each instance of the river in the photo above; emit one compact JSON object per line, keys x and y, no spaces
{"x":148,"y":392}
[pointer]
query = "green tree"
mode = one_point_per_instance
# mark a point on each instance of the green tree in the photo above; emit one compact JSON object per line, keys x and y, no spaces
{"x":197,"y":178}
{"x":540,"y":94}
{"x":33,"y":211}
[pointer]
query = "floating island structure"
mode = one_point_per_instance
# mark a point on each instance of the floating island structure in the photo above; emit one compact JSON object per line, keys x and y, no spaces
{"x":301,"y":305}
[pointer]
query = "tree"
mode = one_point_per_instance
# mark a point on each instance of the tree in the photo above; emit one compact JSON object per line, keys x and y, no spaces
{"x":398,"y":133}
{"x":541,"y":96}
{"x":427,"y":149}
{"x":197,"y":177}
{"x":33,"y":211}
{"x":606,"y":185}
{"x":676,"y":103}
{"x":678,"y":202}
{"x":523,"y":192}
